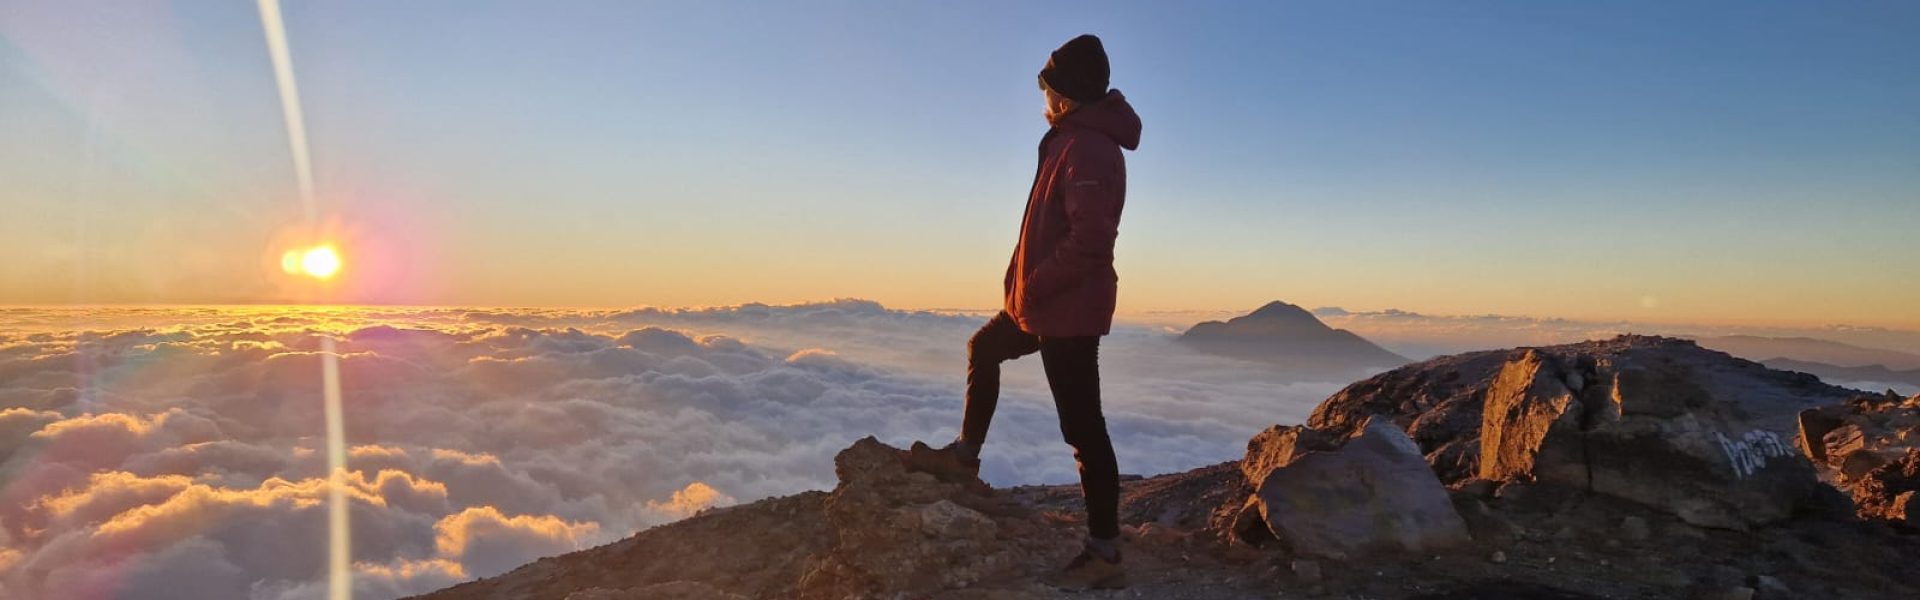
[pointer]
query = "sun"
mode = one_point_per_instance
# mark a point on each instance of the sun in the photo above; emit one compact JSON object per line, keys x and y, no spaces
{"x":318,"y":262}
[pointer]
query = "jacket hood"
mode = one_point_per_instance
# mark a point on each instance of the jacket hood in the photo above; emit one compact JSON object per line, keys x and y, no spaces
{"x":1111,"y":116}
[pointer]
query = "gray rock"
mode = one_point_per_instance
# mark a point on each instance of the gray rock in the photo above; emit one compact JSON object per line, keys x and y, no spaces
{"x":1721,"y":577}
{"x":1635,"y":529}
{"x":1652,"y":433}
{"x":944,"y":519}
{"x":1660,"y":421}
{"x":1306,"y":570}
{"x":1740,"y":592}
{"x":1767,"y":587}
{"x":1375,"y":493}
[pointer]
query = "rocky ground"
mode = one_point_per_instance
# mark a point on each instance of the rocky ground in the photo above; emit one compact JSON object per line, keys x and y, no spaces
{"x":1549,"y":520}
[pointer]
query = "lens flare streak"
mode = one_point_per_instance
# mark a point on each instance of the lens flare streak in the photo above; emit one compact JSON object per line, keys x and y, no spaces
{"x":339,"y":544}
{"x":289,"y":103}
{"x":320,"y":262}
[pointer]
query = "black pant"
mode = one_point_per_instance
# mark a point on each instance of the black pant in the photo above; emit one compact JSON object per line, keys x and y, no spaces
{"x":1073,"y":372}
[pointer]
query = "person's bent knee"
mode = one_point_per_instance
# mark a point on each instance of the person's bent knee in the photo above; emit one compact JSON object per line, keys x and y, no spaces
{"x":977,"y":357}
{"x":982,"y":351}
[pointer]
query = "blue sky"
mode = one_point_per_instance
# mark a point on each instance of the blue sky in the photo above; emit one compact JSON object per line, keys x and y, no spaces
{"x":1728,"y":160}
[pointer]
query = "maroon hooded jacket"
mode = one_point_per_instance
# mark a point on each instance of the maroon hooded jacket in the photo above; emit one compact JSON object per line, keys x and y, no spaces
{"x":1061,"y":281}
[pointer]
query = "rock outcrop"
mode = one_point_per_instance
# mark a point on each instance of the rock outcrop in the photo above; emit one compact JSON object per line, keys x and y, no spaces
{"x":1661,"y":421}
{"x":1891,"y":491}
{"x":1291,"y":338}
{"x":882,"y":533}
{"x":1335,"y":498}
{"x":1869,"y":447}
{"x":897,"y":533}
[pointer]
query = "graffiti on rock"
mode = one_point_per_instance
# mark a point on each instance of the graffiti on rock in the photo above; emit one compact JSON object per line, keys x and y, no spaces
{"x":1750,"y":452}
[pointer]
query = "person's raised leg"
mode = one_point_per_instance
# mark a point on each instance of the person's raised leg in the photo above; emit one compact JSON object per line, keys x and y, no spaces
{"x":998,"y":341}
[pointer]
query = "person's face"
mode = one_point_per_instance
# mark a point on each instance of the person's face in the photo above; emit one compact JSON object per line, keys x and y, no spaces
{"x":1057,"y":104}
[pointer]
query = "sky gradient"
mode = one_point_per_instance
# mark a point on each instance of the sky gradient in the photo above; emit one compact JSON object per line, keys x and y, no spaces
{"x":1732,"y":162}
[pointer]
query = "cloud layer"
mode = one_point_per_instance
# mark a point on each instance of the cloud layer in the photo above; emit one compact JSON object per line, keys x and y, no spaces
{"x":163,"y":453}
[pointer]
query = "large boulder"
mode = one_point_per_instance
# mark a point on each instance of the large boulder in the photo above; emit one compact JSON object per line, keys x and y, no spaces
{"x":1329,"y":497}
{"x":1661,"y":421}
{"x":1644,"y":430}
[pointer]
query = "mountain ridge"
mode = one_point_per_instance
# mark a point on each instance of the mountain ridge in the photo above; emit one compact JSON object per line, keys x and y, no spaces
{"x":1810,"y":349}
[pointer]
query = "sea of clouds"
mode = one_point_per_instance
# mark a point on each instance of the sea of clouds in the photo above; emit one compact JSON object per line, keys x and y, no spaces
{"x":179,"y":452}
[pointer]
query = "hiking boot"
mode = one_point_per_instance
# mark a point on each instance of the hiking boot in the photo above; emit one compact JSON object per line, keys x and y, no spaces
{"x":1090,"y":571}
{"x":956,"y":462}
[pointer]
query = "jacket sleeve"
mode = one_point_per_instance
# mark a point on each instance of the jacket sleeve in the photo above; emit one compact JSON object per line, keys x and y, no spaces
{"x":1092,"y":198}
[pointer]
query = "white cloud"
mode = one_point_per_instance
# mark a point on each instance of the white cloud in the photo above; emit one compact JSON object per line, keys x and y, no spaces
{"x":154,"y":443}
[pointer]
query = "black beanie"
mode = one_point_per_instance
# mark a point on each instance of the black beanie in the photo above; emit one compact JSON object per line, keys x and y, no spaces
{"x":1078,"y":70}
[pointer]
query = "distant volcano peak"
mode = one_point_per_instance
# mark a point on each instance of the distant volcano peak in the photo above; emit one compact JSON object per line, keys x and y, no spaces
{"x":1289,"y":335}
{"x":1281,"y":310}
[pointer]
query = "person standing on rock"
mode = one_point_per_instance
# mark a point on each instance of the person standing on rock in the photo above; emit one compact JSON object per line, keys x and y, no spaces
{"x":1059,"y":296}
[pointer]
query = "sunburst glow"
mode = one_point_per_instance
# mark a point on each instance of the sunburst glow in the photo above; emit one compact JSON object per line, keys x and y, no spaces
{"x":318,"y":262}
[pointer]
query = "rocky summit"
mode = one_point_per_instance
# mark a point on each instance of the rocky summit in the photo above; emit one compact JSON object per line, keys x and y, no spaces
{"x":1661,"y":421}
{"x":1637,"y":467}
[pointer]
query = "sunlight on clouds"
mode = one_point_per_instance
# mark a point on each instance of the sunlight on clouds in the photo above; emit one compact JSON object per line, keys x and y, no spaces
{"x":191,"y":503}
{"x":465,"y":458}
{"x":161,"y":443}
{"x":692,"y":499}
{"x":490,"y":543}
{"x":375,"y":451}
{"x":457,"y":534}
{"x":110,"y":493}
{"x":102,"y":425}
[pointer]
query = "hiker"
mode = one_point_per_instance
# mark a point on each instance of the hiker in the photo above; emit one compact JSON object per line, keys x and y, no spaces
{"x":1060,"y":289}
